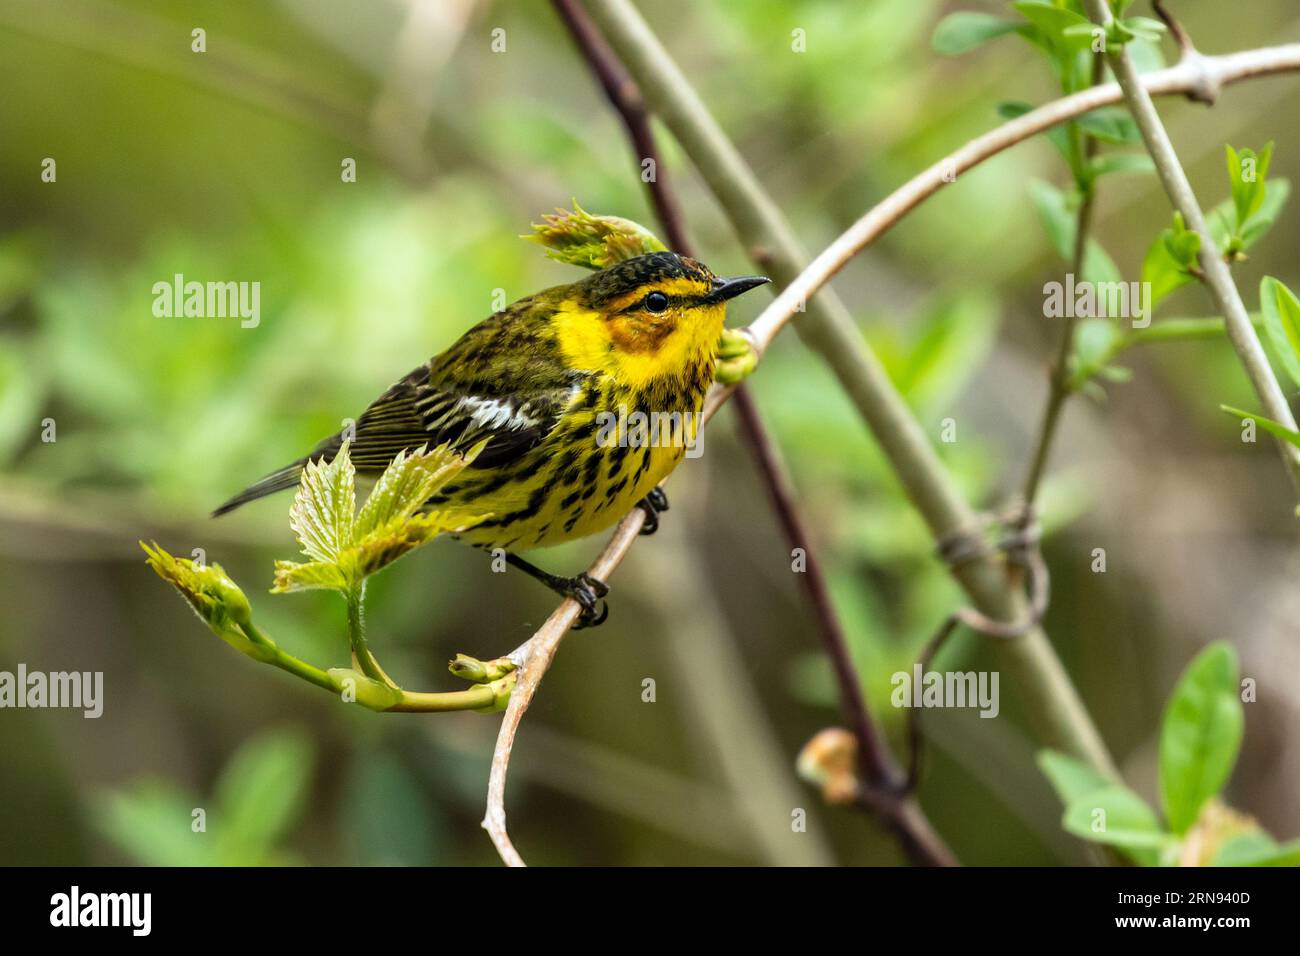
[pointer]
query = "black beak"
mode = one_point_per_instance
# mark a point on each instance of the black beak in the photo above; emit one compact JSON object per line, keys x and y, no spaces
{"x":724,"y":289}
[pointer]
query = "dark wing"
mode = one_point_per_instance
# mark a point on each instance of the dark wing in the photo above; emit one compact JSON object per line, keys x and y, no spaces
{"x":502,"y":381}
{"x":513,"y":416}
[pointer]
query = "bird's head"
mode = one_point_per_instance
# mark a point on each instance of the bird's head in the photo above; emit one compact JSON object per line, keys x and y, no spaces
{"x":649,"y":317}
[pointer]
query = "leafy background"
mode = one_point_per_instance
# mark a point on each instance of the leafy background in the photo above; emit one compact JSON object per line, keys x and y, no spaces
{"x":225,"y":165}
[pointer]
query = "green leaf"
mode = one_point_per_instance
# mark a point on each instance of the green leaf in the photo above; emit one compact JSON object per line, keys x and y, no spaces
{"x":350,"y":546}
{"x":592,"y":242}
{"x":964,"y":31}
{"x":1095,"y":343}
{"x":260,"y":793}
{"x":1114,"y":815}
{"x":1257,"y":848}
{"x":1058,"y":212}
{"x":1055,"y":24}
{"x":955,"y":336}
{"x":407,"y":483}
{"x":1247,"y":172}
{"x":1281,"y":311}
{"x":1144,"y":28}
{"x":1201,"y":735}
{"x":152,"y":822}
{"x":1273,"y":428}
{"x":1232,"y":238}
{"x":1171,"y":260}
{"x":1071,"y":778}
{"x":1111,"y":124}
{"x":1163,"y":273}
{"x":324,"y":509}
{"x":1183,"y":244}
{"x":1056,"y":216}
{"x":381,"y":548}
{"x":291,"y":576}
{"x":391,"y":820}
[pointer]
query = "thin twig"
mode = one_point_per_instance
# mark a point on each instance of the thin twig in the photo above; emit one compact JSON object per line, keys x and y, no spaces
{"x":880,"y":770}
{"x":1059,"y":380}
{"x":625,"y":96}
{"x":535,"y":654}
{"x":534,"y":658}
{"x":1181,"y":37}
{"x":1214,"y":271}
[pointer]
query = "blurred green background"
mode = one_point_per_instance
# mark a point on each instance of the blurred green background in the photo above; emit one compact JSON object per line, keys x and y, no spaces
{"x":225,"y":165}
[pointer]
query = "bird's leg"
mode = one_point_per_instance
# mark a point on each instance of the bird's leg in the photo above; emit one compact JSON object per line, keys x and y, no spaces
{"x":653,"y":504}
{"x":583,"y":588}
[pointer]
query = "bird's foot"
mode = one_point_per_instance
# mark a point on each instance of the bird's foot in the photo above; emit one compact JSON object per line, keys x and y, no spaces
{"x":652,"y":504}
{"x":590,"y":593}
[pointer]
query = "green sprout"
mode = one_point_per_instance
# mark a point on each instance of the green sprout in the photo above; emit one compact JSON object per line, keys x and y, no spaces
{"x":346,"y":546}
{"x":592,"y":242}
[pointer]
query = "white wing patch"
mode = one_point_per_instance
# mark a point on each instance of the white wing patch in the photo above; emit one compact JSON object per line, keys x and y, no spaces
{"x":440,"y":410}
{"x":495,"y":414}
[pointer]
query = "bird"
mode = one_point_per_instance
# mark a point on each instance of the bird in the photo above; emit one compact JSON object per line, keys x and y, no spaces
{"x":544,"y":384}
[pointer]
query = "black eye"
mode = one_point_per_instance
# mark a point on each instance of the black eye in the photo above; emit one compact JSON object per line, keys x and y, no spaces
{"x":656,"y":302}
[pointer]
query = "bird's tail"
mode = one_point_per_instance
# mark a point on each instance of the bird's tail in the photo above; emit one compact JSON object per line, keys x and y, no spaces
{"x":286,"y":477}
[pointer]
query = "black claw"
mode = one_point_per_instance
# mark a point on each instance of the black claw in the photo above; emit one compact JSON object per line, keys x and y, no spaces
{"x":651,"y":523}
{"x":598,"y":587}
{"x":589,"y":592}
{"x":652,"y":504}
{"x":590,"y":617}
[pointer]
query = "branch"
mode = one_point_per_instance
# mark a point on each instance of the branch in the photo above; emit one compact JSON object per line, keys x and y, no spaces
{"x":222,"y":606}
{"x":879,"y":770}
{"x":1214,"y":271}
{"x":1185,"y":79}
{"x":1059,"y":384}
{"x":625,"y":97}
{"x":906,"y":447}
{"x":1053,"y":704}
{"x":534,"y":659}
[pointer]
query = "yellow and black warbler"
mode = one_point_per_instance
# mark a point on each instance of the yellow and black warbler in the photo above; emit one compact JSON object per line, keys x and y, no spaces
{"x":536,"y":380}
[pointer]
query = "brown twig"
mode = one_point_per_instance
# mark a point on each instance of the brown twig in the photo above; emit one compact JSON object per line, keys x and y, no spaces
{"x":534,"y":658}
{"x":1058,"y":390}
{"x":1181,"y":37}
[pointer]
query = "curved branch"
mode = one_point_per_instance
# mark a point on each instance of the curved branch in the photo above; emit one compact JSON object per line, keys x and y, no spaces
{"x":534,"y":659}
{"x":1187,"y":78}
